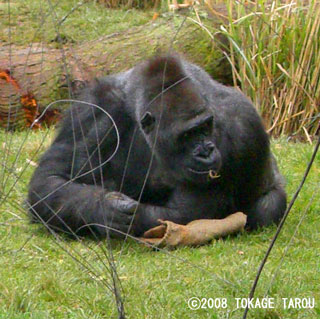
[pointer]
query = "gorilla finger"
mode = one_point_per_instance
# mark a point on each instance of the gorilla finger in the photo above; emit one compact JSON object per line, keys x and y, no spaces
{"x":117,"y":196}
{"x":120,"y":218}
{"x":124,"y":206}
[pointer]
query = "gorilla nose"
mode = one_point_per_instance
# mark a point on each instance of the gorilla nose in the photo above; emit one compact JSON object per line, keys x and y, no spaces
{"x":204,"y":153}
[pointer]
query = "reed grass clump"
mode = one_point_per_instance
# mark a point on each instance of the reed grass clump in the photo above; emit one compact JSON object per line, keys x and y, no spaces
{"x":274,"y":50}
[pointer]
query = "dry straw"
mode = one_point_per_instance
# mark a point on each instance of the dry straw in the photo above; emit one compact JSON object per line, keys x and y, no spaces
{"x":274,"y":51}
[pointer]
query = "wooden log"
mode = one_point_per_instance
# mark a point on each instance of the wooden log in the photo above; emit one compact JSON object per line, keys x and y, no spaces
{"x":56,"y":71}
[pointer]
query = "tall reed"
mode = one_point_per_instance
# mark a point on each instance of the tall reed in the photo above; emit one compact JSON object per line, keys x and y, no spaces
{"x":274,"y":51}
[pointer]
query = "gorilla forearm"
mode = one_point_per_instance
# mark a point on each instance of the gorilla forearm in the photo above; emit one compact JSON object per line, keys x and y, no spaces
{"x":267,"y":209}
{"x":69,"y":205}
{"x":65,"y":205}
{"x":270,"y":205}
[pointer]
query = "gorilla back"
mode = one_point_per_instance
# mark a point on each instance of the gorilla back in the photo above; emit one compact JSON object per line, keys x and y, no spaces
{"x":186,"y":148}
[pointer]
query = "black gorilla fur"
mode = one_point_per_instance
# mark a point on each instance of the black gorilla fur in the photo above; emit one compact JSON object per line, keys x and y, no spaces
{"x":195,"y":128}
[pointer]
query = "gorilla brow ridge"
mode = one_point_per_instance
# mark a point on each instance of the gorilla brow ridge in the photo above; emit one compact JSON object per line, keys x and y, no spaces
{"x":167,"y":89}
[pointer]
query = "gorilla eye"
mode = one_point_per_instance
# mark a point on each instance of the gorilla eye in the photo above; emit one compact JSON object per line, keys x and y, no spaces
{"x":203,"y":129}
{"x":147,"y":122}
{"x":187,"y":135}
{"x":206,"y":127}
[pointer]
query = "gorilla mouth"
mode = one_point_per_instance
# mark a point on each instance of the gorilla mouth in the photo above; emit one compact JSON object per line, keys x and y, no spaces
{"x":211,"y":173}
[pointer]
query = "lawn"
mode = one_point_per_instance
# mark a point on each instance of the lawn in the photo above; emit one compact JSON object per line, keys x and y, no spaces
{"x":36,"y":21}
{"x":39,"y":279}
{"x":44,"y":277}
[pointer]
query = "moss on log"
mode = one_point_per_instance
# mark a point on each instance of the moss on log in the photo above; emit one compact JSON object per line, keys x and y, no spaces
{"x":50,"y":73}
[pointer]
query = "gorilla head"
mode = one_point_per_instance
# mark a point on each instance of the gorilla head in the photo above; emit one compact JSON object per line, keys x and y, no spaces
{"x":177,"y":121}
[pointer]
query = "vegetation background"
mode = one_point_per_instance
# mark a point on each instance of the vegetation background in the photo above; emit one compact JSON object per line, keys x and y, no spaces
{"x":269,"y":49}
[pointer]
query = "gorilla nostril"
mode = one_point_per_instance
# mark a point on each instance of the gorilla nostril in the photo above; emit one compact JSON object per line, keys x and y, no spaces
{"x":210,"y":146}
{"x":202,"y":156}
{"x":204,"y":152}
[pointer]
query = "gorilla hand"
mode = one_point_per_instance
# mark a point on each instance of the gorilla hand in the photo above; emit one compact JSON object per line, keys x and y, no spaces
{"x":120,"y":212}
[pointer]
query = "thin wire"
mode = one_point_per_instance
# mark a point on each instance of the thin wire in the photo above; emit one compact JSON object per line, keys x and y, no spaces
{"x":255,"y":283}
{"x":275,"y":273}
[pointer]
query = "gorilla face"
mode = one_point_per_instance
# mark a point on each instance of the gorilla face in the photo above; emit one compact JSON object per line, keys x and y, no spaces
{"x":201,"y":159}
{"x":178,"y":122}
{"x":185,"y":140}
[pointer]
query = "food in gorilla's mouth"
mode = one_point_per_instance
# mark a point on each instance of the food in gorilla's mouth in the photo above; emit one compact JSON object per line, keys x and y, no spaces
{"x":211,"y":173}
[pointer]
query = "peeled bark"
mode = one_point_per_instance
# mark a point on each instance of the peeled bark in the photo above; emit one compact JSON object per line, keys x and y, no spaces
{"x":197,"y":232}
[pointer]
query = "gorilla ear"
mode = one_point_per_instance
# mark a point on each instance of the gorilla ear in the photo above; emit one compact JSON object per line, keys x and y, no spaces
{"x":147,"y":122}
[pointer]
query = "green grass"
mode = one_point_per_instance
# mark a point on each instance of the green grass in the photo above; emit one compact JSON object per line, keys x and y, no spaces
{"x":39,"y":280}
{"x":38,"y":21}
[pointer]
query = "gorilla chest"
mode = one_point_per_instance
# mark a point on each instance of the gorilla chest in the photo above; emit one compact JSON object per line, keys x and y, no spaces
{"x":211,"y":203}
{"x":137,"y":173}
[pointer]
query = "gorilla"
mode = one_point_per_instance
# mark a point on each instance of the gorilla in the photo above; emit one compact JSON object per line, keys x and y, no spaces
{"x":176,"y":146}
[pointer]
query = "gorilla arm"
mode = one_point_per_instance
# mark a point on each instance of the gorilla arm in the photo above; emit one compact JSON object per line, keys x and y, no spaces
{"x":68,"y":191}
{"x":68,"y":205}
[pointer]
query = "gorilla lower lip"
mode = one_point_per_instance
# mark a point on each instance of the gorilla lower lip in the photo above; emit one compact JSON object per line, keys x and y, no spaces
{"x":211,"y":173}
{"x":198,"y":172}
